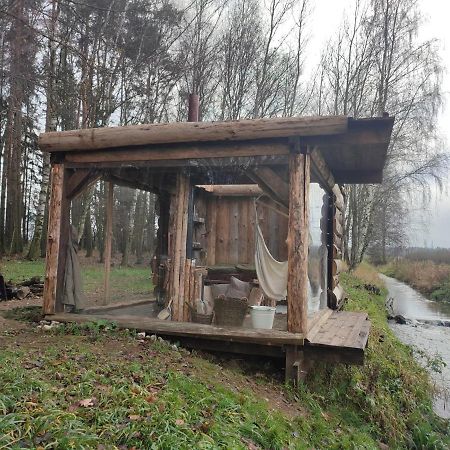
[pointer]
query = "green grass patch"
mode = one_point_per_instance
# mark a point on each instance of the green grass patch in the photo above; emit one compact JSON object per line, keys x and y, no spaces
{"x":86,"y":387}
{"x":75,"y":397}
{"x":19,"y":270}
{"x":126,"y":282}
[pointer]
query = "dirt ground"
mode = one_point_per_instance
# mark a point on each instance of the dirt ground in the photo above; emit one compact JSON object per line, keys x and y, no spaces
{"x":11,"y":325}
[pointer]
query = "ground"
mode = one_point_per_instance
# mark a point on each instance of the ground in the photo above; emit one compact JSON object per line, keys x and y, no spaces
{"x":97,"y":387}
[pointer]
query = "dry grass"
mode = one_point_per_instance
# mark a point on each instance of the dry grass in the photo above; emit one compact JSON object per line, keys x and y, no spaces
{"x":425,"y":276}
{"x":368,"y":274}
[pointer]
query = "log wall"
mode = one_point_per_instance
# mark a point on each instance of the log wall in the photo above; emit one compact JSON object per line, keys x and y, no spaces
{"x":336,"y":228}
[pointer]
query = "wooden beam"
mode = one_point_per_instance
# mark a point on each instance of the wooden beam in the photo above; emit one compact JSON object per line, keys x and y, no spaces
{"x":80,"y":180}
{"x":53,"y":238}
{"x":108,"y":241}
{"x":189,"y":329}
{"x":210,"y":163}
{"x":323,"y":173}
{"x":334,"y":355}
{"x":232,"y":190}
{"x":298,"y":238}
{"x":180,"y":152}
{"x":359,"y":176}
{"x":267,"y":191}
{"x":272,"y":183}
{"x":65,"y":231}
{"x":132,"y":184}
{"x":98,"y":138}
{"x":268,"y":203}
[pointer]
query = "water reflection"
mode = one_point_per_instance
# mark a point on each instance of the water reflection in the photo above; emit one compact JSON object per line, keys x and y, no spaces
{"x":412,"y":304}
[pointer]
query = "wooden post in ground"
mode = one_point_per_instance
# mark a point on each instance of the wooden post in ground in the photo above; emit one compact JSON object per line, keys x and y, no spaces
{"x":297,"y":243}
{"x":108,"y":241}
{"x":297,"y":366}
{"x":53,"y":238}
{"x":298,"y":237}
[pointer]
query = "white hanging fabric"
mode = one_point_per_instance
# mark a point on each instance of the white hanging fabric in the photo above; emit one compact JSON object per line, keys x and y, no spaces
{"x":272,"y":274}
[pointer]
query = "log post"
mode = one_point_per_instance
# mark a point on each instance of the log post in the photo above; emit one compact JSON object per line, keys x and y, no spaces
{"x":298,"y":236}
{"x":63,"y":245}
{"x":108,"y":241}
{"x":178,"y":249}
{"x":53,"y":238}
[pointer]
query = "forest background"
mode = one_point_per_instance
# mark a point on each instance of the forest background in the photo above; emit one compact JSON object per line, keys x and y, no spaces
{"x":67,"y":64}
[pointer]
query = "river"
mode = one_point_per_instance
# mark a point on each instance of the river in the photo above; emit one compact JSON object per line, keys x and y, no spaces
{"x":434,"y":340}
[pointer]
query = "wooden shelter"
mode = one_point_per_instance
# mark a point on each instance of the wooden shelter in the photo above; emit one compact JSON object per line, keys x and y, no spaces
{"x":206,"y":176}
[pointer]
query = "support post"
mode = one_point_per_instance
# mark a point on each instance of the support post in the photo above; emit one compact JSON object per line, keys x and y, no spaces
{"x":298,"y":236}
{"x":108,"y":241}
{"x":53,"y":238}
{"x":297,"y":365}
{"x":178,"y":249}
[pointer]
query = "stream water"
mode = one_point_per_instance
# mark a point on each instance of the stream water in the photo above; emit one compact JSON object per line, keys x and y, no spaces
{"x":423,"y":334}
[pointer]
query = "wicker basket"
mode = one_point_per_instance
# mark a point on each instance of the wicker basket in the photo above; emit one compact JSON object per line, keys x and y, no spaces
{"x":230,"y":311}
{"x":198,"y":317}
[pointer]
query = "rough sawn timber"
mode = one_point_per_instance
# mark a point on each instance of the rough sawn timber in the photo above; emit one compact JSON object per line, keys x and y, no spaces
{"x":110,"y":137}
{"x":189,"y":329}
{"x":342,"y":337}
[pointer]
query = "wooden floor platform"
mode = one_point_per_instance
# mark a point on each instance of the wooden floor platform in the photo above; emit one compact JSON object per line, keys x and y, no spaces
{"x":209,"y":337}
{"x":338,"y":336}
{"x":332,"y":336}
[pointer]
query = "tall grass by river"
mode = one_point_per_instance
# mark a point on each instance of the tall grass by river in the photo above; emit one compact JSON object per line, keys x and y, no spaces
{"x":430,"y":278}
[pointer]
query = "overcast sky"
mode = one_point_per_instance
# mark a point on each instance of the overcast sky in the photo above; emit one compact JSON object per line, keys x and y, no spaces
{"x":433,"y":227}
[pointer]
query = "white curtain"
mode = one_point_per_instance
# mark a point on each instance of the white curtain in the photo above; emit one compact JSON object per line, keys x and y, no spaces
{"x":272,"y":274}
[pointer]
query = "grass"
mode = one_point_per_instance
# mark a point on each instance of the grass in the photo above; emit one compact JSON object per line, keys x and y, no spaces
{"x":83,"y":387}
{"x":429,"y":278}
{"x":78,"y":397}
{"x":126,"y":282}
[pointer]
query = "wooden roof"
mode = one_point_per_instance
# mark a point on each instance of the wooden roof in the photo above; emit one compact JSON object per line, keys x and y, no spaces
{"x":354,"y":149}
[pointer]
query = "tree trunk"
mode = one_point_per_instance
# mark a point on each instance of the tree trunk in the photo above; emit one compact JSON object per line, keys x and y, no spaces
{"x":19,"y":67}
{"x":50,"y":125}
{"x":35,"y":246}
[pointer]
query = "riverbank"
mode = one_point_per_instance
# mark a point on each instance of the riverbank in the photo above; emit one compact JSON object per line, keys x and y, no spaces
{"x":428,"y":277}
{"x":89,"y":388}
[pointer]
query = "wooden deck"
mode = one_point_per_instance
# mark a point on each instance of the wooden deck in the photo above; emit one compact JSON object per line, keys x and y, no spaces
{"x":338,"y":336}
{"x":334,"y":336}
{"x":181,"y":330}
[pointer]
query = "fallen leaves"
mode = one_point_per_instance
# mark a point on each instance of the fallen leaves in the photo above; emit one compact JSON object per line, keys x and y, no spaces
{"x":88,"y":402}
{"x":134,"y":417}
{"x":85,"y":403}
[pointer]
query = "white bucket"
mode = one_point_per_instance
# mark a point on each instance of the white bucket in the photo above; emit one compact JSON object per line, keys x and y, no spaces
{"x":262,"y":316}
